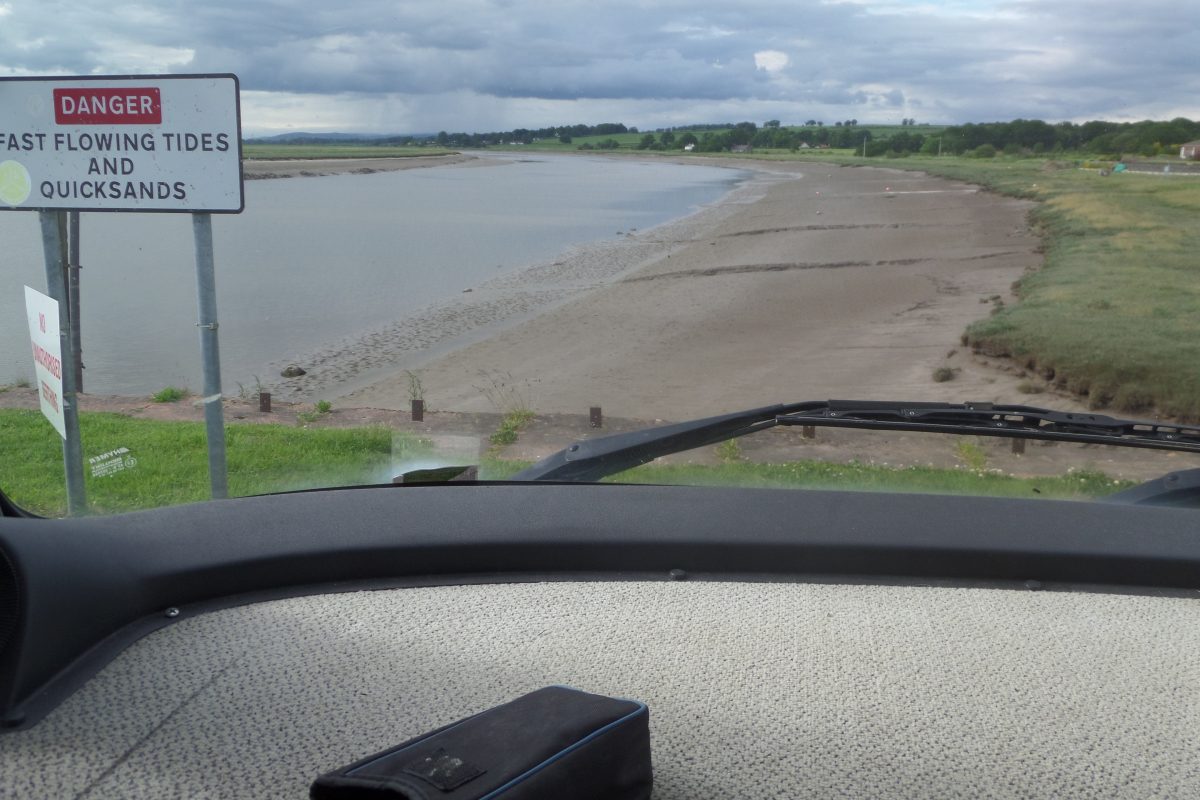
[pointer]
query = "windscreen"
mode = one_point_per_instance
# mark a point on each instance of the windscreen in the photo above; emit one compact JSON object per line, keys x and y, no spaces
{"x":251,"y":249}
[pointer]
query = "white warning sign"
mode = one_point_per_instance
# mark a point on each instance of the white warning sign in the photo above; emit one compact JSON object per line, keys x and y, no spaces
{"x":121,"y":143}
{"x":42,"y":312}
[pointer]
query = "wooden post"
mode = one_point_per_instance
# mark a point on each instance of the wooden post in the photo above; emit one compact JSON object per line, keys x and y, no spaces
{"x":264,"y":402}
{"x":808,"y":431}
{"x":596,"y":417}
{"x":1018,"y":446}
{"x":418,"y":410}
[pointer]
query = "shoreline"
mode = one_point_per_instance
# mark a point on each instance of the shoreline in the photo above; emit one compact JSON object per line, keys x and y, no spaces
{"x":354,"y":362}
{"x":810,"y":280}
{"x":477,"y":332}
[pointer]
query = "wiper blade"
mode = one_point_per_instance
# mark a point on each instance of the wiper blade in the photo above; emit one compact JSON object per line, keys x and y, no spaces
{"x":590,"y":460}
{"x":593,"y":459}
{"x":988,"y":419}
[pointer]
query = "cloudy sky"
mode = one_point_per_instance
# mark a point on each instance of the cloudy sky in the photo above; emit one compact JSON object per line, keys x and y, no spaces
{"x":480,"y":65}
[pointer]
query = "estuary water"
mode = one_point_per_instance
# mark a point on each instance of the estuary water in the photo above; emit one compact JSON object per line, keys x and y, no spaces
{"x":313,"y":260}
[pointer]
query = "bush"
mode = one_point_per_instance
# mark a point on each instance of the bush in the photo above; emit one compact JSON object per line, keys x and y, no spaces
{"x":984,"y":151}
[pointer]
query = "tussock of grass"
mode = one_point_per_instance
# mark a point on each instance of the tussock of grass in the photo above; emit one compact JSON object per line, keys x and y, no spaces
{"x":511,"y":426}
{"x":169,"y":394}
{"x":943,"y":374}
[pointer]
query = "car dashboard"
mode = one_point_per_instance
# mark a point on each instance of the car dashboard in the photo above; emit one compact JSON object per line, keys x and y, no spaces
{"x":787,"y":643}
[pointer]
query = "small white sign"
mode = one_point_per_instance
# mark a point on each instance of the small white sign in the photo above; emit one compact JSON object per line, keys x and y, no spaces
{"x":121,"y":143}
{"x":47,"y":355}
{"x":112,"y":462}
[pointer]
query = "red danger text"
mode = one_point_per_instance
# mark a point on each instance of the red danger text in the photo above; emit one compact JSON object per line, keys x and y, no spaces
{"x":108,"y":106}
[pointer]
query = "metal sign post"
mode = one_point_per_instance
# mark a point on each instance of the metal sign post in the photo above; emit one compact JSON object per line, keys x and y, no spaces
{"x":210,"y":352}
{"x":73,"y":268}
{"x":72,"y":446}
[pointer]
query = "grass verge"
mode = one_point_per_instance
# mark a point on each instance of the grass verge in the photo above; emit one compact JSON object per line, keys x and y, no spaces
{"x":868,"y":477}
{"x":1081,"y":485}
{"x":172,"y":461}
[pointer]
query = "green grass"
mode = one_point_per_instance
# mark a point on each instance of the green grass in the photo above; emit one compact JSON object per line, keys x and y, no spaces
{"x":1081,"y":485}
{"x":867,"y":477}
{"x":172,"y":460}
{"x":276,"y":152}
{"x":170,"y":394}
{"x":510,"y":427}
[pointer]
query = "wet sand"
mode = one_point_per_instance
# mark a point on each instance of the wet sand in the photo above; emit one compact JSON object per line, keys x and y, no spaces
{"x":809,"y":281}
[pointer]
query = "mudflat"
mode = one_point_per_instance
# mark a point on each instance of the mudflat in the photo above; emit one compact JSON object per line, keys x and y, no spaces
{"x":811,"y":281}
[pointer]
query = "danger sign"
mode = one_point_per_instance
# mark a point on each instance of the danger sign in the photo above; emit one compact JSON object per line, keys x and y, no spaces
{"x":121,"y":143}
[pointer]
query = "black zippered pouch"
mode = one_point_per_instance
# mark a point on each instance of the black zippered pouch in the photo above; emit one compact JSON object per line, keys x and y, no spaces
{"x":556,"y":742}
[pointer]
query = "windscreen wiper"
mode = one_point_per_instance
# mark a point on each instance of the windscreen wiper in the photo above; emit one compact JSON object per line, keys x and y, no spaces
{"x":591,"y":460}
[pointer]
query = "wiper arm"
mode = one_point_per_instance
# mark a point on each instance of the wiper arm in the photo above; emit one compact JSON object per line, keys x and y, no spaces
{"x":988,"y":419}
{"x":590,"y":460}
{"x":593,"y":459}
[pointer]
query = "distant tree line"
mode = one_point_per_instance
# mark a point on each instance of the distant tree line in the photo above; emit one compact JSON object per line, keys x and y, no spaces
{"x":985,"y":139}
{"x":714,"y":139}
{"x":516,"y":136}
{"x":1145,"y":138}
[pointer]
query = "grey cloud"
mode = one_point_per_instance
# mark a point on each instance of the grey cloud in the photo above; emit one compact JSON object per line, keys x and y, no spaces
{"x":1062,"y":60}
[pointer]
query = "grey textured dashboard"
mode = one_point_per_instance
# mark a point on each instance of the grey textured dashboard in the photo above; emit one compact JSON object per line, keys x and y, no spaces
{"x":755,"y":689}
{"x":787,"y":642}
